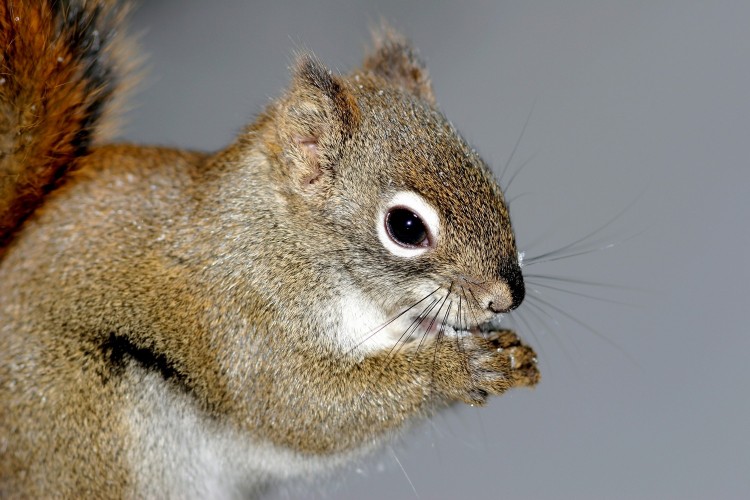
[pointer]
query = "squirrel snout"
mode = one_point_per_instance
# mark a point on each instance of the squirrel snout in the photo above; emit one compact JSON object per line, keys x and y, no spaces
{"x":508,"y":292}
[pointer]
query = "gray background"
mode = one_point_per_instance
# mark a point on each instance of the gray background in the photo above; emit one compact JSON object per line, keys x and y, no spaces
{"x":635,"y":104}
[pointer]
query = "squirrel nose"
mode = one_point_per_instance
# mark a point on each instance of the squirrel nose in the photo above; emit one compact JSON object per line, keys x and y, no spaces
{"x":509,"y":291}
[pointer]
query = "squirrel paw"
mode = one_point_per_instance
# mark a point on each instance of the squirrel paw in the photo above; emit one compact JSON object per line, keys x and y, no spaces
{"x":495,"y":362}
{"x":522,"y":358}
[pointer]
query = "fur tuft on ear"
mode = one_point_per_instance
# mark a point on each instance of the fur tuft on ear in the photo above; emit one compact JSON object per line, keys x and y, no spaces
{"x":396,"y":61}
{"x":315,"y":119}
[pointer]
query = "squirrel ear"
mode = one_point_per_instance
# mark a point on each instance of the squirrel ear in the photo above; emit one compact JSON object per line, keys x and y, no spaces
{"x":316,"y":118}
{"x":396,"y":61}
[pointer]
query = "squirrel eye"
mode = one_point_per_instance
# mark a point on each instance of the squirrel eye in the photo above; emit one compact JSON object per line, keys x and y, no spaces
{"x":408,"y":225}
{"x":406,"y":228}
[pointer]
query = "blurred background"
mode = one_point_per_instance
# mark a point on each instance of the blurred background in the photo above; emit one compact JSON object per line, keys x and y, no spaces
{"x":634,"y":125}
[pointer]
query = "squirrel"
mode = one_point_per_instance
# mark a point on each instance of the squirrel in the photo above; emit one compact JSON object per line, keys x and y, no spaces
{"x":184,"y":324}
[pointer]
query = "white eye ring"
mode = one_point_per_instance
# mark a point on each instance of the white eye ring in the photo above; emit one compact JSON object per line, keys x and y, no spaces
{"x":421,"y":208}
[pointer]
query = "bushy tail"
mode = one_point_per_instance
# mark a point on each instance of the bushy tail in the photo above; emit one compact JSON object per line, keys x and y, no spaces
{"x":62,"y":68}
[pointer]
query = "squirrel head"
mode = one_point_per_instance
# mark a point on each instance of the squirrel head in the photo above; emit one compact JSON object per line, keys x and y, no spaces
{"x":390,"y":197}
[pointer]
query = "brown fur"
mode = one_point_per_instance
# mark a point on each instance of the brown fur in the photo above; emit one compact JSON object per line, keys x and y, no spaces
{"x":60,"y":69}
{"x":210,"y":284}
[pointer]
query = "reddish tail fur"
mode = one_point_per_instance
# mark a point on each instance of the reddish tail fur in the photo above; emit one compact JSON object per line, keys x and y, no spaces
{"x":60,"y":74}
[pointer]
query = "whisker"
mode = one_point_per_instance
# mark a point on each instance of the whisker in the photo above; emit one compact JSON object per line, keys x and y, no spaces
{"x":580,"y":294}
{"x":592,"y":330}
{"x":576,"y":253}
{"x":462,"y":327}
{"x":585,"y":237}
{"x":476,"y":301}
{"x":405,"y":474}
{"x":471,"y":309}
{"x":518,"y":316}
{"x":565,"y":279}
{"x":412,"y":328}
{"x":481,"y":285}
{"x":518,"y":196}
{"x":518,"y":171}
{"x":471,"y":281}
{"x":575,"y":248}
{"x":381,"y":327}
{"x":536,"y":310}
{"x":441,"y":330}
{"x":434,"y":318}
{"x":543,"y":237}
{"x":484,"y":288}
{"x":407,"y":333}
{"x":518,"y":142}
{"x":440,"y":335}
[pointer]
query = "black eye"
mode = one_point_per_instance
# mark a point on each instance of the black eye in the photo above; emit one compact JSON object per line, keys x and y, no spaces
{"x":405,"y":227}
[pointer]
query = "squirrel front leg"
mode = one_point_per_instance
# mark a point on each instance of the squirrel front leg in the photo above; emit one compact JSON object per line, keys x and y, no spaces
{"x":455,"y":368}
{"x":346,"y":403}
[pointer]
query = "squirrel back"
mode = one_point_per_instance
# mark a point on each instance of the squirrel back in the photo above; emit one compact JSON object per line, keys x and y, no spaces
{"x":176,"y":323}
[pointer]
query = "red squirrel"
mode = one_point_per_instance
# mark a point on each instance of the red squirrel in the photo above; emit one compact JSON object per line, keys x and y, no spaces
{"x":188,"y":324}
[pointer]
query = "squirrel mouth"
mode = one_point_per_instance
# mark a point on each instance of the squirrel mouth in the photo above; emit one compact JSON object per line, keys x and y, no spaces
{"x":427,"y":327}
{"x":417,"y":327}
